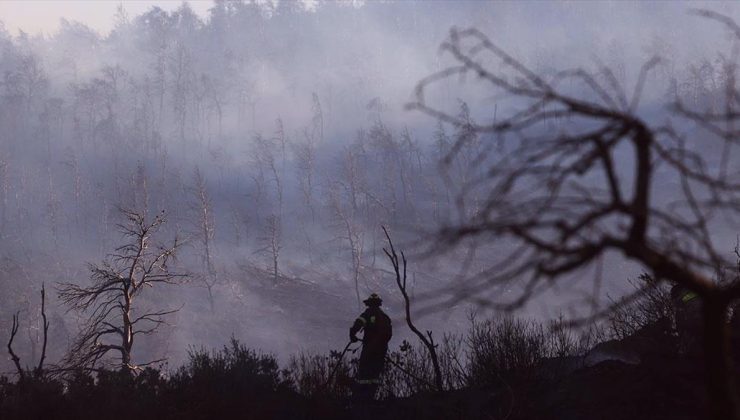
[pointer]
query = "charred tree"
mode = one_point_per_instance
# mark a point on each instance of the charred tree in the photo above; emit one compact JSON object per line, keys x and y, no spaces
{"x":113,"y":319}
{"x":38,"y":370}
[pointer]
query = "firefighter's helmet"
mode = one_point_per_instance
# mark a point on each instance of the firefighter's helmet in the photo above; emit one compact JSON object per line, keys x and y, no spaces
{"x":373,"y":300}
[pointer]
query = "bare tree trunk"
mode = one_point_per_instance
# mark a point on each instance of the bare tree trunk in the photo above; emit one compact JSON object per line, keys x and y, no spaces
{"x":127,"y":336}
{"x":3,"y":194}
{"x":721,"y":384}
{"x":427,"y":339}
{"x":354,"y":238}
{"x":13,"y":356}
{"x":206,"y":227}
{"x":211,"y":302}
{"x":272,"y":246}
{"x":275,"y":246}
{"x":40,"y":367}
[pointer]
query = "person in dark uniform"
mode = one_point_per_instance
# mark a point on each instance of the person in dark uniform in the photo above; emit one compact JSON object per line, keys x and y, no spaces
{"x":377,"y":332}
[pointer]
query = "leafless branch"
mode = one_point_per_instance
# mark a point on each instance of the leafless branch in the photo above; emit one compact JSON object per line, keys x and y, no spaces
{"x":565,"y":195}
{"x":13,"y":356}
{"x":427,"y":340}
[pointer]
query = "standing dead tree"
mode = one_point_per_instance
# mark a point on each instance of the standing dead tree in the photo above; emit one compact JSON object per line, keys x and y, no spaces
{"x":13,"y":356}
{"x":399,"y":267}
{"x":38,"y":369}
{"x":305,"y":155}
{"x":351,"y":232}
{"x":579,"y":174}
{"x":271,"y":245}
{"x":266,"y":160}
{"x":4,"y":193}
{"x":113,"y":320}
{"x":202,"y":209}
{"x":40,"y":366}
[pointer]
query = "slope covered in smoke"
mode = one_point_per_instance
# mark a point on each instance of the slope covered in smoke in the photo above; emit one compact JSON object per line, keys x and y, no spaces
{"x":276,"y":140}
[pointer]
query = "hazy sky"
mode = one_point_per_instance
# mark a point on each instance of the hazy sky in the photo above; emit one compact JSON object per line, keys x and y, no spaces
{"x":43,"y":15}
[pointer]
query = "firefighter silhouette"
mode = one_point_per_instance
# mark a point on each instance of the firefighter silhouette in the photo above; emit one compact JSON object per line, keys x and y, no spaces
{"x":377,"y":332}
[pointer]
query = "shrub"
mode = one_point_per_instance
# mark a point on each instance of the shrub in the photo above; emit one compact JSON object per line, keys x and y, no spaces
{"x":235,"y":369}
{"x":650,"y":307}
{"x":323,"y":376}
{"x":503,"y":347}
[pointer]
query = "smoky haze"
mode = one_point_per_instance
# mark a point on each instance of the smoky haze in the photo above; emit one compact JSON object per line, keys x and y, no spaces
{"x":275,"y":138}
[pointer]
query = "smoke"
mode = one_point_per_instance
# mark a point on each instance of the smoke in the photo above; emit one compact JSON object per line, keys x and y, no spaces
{"x":295,"y":118}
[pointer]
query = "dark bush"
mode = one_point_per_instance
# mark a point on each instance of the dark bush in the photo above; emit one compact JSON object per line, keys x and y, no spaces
{"x":329,"y":376}
{"x":651,"y":306}
{"x":233,"y":380}
{"x":32,"y":398}
{"x":504,"y":347}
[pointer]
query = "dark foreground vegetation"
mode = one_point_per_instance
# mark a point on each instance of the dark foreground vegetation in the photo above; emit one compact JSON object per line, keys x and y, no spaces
{"x":628,"y":367}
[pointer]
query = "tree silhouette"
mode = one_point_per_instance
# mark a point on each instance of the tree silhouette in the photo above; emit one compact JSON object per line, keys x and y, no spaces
{"x":579,"y":173}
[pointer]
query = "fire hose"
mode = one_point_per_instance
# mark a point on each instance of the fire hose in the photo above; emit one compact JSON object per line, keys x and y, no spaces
{"x":339,"y":363}
{"x":387,"y":359}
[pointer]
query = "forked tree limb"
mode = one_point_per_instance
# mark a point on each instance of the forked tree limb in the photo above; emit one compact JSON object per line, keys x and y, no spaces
{"x":13,"y":355}
{"x":428,"y":341}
